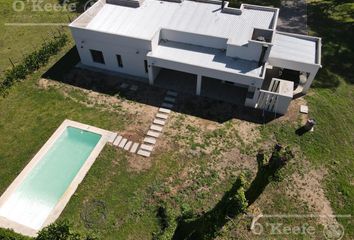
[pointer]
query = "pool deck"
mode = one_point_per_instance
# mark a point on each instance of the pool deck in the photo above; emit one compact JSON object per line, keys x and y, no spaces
{"x":107,"y":137}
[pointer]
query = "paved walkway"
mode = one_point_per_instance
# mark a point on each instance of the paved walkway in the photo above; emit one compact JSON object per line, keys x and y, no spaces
{"x":145,"y":149}
{"x":293,"y":16}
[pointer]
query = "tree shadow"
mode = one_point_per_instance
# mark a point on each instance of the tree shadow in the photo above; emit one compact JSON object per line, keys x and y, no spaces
{"x":207,"y":225}
{"x":337,"y":37}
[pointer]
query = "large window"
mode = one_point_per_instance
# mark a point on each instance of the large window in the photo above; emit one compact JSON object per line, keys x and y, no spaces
{"x":119,"y":60}
{"x":97,"y":56}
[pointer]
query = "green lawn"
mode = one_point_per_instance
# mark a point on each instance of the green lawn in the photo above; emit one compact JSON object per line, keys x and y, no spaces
{"x":29,"y":115}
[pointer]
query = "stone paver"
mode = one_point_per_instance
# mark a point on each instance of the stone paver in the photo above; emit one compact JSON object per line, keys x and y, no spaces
{"x":159,"y":122}
{"x":150,"y":140}
{"x":146,"y":147}
{"x":112,"y":137}
{"x":153,"y":134}
{"x":128,"y":145}
{"x":162,"y":116}
{"x":134,"y":88}
{"x":134,"y":148}
{"x":167,"y":105}
{"x":164,"y":110}
{"x":122,"y":143}
{"x":170,"y":99}
{"x":156,"y":128}
{"x":117,"y":140}
{"x":144,"y":153}
{"x":172,"y":93}
{"x":124,"y":85}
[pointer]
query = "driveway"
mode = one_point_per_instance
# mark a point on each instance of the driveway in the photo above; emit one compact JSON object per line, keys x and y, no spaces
{"x":293,"y":16}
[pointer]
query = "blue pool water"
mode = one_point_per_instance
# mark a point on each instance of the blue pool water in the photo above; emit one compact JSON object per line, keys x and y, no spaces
{"x":31,"y":203}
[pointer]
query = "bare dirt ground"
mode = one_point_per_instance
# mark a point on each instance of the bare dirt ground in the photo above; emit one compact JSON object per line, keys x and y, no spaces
{"x":308,"y":189}
{"x":198,"y":129}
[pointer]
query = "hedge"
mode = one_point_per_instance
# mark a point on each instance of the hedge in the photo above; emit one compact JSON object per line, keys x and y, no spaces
{"x":33,"y":62}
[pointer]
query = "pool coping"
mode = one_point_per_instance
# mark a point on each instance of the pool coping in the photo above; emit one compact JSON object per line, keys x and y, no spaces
{"x":106,"y":136}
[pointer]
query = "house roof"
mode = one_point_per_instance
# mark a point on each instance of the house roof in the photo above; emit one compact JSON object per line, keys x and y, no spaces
{"x":296,"y":48}
{"x":205,"y":57}
{"x":188,"y":16}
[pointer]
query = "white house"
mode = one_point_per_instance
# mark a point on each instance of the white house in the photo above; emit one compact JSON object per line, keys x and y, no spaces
{"x":234,"y":48}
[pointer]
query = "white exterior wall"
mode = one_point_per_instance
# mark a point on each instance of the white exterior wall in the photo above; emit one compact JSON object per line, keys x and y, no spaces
{"x":133,"y":51}
{"x":252,"y":51}
{"x":194,"y":39}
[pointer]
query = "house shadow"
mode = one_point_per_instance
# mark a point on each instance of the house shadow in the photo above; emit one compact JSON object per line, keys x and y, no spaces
{"x":68,"y":70}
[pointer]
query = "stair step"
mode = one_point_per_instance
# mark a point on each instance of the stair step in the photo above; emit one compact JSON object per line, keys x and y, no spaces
{"x":122,"y":143}
{"x":117,"y":140}
{"x":164,"y":110}
{"x":128,"y":145}
{"x":150,"y":140}
{"x":144,"y":153}
{"x":167,"y":105}
{"x":156,"y":128}
{"x":172,"y":93}
{"x":162,"y":116}
{"x":134,"y":148}
{"x":146,"y":147}
{"x":159,"y":122}
{"x":153,"y":134}
{"x":170,"y":99}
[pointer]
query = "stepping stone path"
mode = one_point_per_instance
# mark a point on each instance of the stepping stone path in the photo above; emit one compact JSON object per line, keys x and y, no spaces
{"x":145,"y":149}
{"x":158,"y":123}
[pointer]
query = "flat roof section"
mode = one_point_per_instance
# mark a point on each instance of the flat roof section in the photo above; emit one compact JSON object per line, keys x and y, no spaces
{"x":205,"y":57}
{"x":297,"y":48}
{"x":189,"y":16}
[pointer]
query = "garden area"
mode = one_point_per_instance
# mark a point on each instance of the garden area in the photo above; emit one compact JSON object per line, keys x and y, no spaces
{"x":206,"y":180}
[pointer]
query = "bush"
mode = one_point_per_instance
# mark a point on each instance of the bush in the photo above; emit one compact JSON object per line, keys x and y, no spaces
{"x":61,"y":231}
{"x":32,"y":62}
{"x":7,"y":234}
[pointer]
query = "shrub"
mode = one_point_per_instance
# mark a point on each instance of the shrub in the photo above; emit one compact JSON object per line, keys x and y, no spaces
{"x":7,"y":234}
{"x":32,"y":62}
{"x":61,"y":231}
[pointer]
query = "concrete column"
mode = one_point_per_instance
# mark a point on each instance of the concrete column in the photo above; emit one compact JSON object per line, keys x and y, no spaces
{"x":199,"y":84}
{"x":151,"y":74}
{"x":309,"y":81}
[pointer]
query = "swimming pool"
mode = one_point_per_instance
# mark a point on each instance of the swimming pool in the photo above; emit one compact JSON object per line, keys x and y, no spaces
{"x":39,"y":194}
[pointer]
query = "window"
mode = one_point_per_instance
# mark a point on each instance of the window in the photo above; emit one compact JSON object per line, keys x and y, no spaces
{"x":97,"y":56}
{"x":119,"y":60}
{"x":146,"y":66}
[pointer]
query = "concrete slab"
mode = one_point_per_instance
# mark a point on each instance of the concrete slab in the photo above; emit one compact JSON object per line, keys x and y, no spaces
{"x":167,"y":105}
{"x":172,"y":93}
{"x":117,"y":140}
{"x":134,"y":88}
{"x":153,"y":134}
{"x":134,"y":147}
{"x":150,"y":140}
{"x":156,"y":128}
{"x":162,"y":116}
{"x":146,"y":147}
{"x":122,"y":143}
{"x":304,"y":109}
{"x":128,"y":145}
{"x":124,"y":85}
{"x":164,"y":110}
{"x":159,"y":122}
{"x":170,"y":99}
{"x":144,"y":153}
{"x":112,"y":137}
